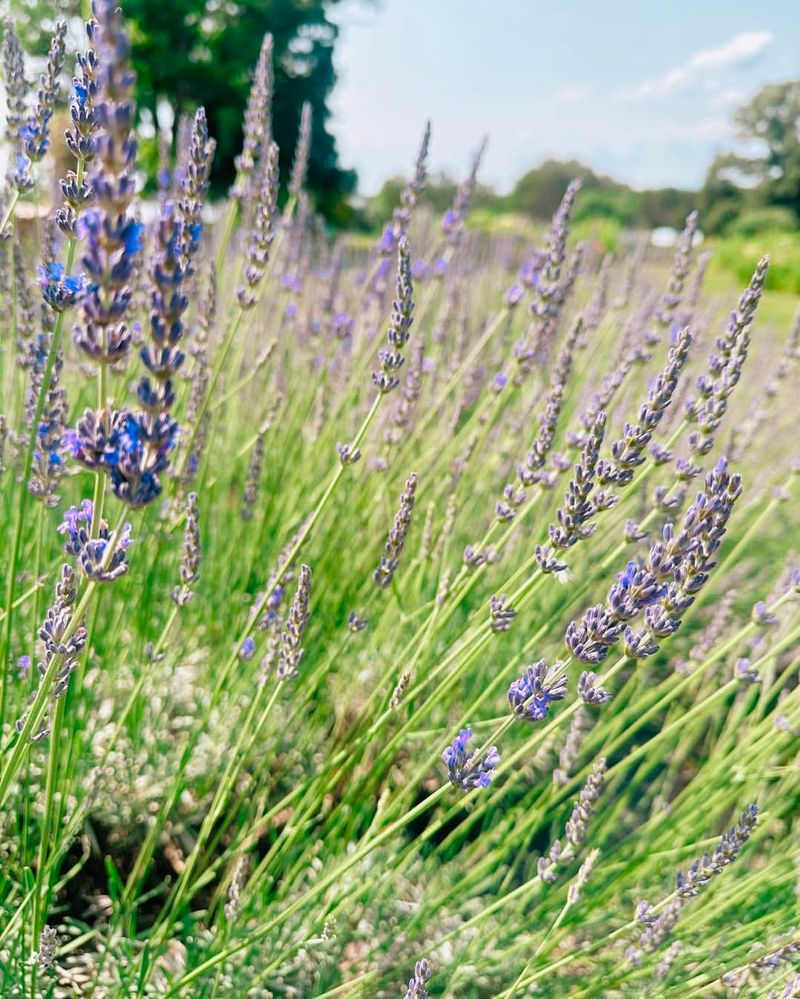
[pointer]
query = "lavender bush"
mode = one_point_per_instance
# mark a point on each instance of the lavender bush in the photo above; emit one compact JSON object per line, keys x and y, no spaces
{"x":267,"y":729}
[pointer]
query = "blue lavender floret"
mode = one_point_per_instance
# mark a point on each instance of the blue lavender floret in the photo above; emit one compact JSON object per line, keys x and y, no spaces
{"x":532,"y":694}
{"x":93,"y":553}
{"x":131,"y":449}
{"x":59,"y":289}
{"x":463,"y":769}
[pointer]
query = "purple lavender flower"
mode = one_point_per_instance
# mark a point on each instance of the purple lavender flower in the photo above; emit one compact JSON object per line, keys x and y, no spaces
{"x":396,"y":539}
{"x":261,"y":234}
{"x":455,"y":216}
{"x":59,"y":289}
{"x":463,"y":769}
{"x":532,"y":694}
{"x":302,"y":151}
{"x":257,"y":120}
{"x":112,"y":236}
{"x":628,"y":452}
{"x":96,"y":559}
{"x":589,"y":691}
{"x":666,"y":314}
{"x":575,"y":515}
{"x":190,"y":564}
{"x":710,"y":864}
{"x":194,"y":187}
{"x":417,"y":986}
{"x":420,"y":270}
{"x":35,"y":134}
{"x":16,"y":92}
{"x":675,"y":570}
{"x":57,"y":643}
{"x":533,"y":469}
{"x":514,"y":295}
{"x":133,"y":448}
{"x":725,"y":366}
{"x":16,"y":85}
{"x":291,"y":650}
{"x":390,"y":358}
{"x":79,"y":137}
{"x":48,"y":455}
{"x":549,"y":287}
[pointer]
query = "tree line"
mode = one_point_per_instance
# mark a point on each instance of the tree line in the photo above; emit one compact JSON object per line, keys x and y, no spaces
{"x":187,"y":52}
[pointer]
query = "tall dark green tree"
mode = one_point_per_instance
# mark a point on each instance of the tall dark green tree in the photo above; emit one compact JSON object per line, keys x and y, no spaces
{"x":192,"y":52}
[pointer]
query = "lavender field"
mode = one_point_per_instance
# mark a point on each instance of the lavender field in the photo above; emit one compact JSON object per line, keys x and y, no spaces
{"x":411,"y":617}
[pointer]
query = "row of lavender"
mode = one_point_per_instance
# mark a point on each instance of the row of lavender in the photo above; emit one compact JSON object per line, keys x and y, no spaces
{"x":269,"y":729}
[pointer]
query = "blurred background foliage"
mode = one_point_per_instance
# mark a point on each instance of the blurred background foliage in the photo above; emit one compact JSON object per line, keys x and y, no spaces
{"x":203,"y":51}
{"x":190,"y":52}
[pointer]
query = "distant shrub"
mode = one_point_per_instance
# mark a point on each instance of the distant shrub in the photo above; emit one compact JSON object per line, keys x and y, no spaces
{"x":756,"y":222}
{"x":736,"y":254}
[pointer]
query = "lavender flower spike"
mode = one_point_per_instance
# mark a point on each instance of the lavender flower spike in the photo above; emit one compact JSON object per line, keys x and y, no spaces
{"x":57,"y":646}
{"x":396,"y":539}
{"x":36,"y":133}
{"x":257,"y":120}
{"x":454,"y":218}
{"x":92,"y":553}
{"x":194,"y":187}
{"x":627,"y":452}
{"x":725,"y":367}
{"x":79,"y":138}
{"x":291,"y":650}
{"x":190,"y":565}
{"x":667,"y":312}
{"x":15,"y":83}
{"x":727,"y":850}
{"x":262,"y":233}
{"x":48,"y":456}
{"x":401,"y":216}
{"x":302,"y":151}
{"x":463,"y":769}
{"x":417,"y":985}
{"x":16,"y":91}
{"x":399,"y":326}
{"x":112,"y":237}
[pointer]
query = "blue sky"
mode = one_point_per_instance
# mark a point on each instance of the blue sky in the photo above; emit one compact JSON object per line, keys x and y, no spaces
{"x":642,"y":91}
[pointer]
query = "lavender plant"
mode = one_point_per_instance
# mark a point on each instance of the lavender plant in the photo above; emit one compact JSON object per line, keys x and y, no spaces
{"x":566,"y":673}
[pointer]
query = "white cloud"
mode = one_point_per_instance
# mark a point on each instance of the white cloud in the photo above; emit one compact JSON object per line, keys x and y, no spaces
{"x":574,"y":94}
{"x":727,"y":97}
{"x":740,"y":49}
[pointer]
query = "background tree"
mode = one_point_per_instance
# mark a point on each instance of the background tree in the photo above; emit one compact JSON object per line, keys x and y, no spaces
{"x":763,"y":172}
{"x":538,"y":193}
{"x":190,"y":52}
